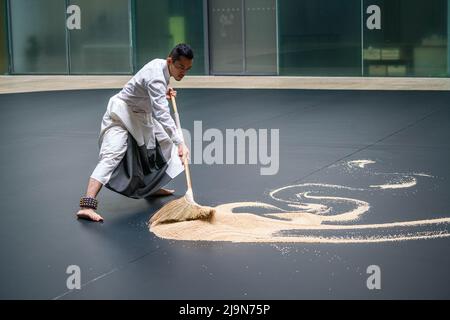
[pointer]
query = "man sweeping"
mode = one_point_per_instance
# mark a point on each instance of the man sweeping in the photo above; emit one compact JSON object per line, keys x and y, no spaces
{"x":141,"y":149}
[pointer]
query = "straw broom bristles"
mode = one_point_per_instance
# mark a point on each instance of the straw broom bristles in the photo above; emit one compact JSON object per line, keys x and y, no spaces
{"x":182,"y":209}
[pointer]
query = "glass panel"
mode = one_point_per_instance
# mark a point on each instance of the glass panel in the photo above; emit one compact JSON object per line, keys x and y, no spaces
{"x":225,"y":36}
{"x":161,"y":24}
{"x":102,"y":44}
{"x":38,"y":36}
{"x":320,"y":37}
{"x":260,"y":36}
{"x":3,"y":39}
{"x":411,"y":41}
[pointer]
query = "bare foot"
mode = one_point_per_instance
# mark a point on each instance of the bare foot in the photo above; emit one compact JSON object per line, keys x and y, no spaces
{"x":89,"y":214}
{"x":163,"y":192}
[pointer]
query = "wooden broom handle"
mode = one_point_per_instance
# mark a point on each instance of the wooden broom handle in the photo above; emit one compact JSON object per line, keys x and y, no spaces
{"x":185,"y":161}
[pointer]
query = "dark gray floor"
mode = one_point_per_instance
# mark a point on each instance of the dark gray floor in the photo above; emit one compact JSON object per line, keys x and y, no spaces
{"x":49,"y":148}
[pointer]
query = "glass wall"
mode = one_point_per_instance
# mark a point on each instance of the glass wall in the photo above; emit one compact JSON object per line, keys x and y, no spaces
{"x":38,"y":37}
{"x":3,"y":39}
{"x":226,"y":37}
{"x":320,"y":37}
{"x":100,"y":42}
{"x":242,"y":36}
{"x":405,"y":38}
{"x":268,"y":37}
{"x":161,"y":24}
{"x":260,"y":36}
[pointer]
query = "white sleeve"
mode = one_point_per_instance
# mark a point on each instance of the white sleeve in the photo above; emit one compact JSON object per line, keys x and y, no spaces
{"x":157,"y":92}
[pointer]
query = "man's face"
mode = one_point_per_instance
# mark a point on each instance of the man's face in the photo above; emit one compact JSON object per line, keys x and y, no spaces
{"x":179,"y":68}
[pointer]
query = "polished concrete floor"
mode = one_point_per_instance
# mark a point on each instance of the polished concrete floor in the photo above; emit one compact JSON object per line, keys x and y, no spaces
{"x":49,"y":148}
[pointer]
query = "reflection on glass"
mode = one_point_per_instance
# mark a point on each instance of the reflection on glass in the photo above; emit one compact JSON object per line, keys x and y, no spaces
{"x":225,"y":36}
{"x":411,"y":38}
{"x":102,"y":44}
{"x":315,"y":37}
{"x":38,"y":36}
{"x":260,"y":36}
{"x":320,"y":37}
{"x":161,"y":24}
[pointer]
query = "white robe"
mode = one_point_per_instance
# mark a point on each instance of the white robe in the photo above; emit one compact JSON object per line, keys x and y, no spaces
{"x":142,"y":110}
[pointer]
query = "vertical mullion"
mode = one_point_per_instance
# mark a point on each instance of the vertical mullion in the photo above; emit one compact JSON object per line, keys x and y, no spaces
{"x":362,"y":38}
{"x":244,"y":52}
{"x":9,"y":37}
{"x":277,"y":42}
{"x":206,"y":36}
{"x":68,"y":57}
{"x":132,"y":35}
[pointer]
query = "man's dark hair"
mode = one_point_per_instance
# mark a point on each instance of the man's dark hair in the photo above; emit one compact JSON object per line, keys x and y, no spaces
{"x":181,"y":50}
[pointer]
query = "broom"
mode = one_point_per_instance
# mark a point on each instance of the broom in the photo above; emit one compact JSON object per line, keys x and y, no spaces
{"x":184,"y":208}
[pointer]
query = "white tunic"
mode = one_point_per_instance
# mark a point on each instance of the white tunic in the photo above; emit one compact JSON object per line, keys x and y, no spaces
{"x":142,"y":110}
{"x":146,"y":93}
